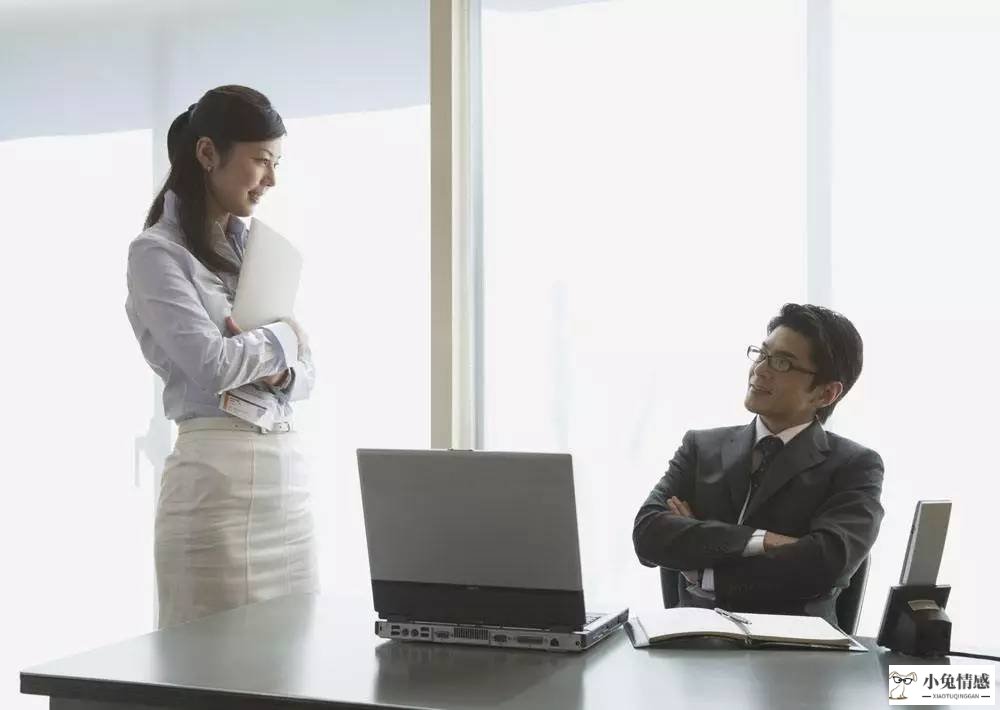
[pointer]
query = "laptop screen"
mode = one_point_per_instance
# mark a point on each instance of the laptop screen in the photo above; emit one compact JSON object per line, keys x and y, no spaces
{"x":485,"y":535}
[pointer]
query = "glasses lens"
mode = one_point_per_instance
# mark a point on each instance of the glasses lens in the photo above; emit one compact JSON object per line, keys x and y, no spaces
{"x":780,"y":364}
{"x":755,"y":354}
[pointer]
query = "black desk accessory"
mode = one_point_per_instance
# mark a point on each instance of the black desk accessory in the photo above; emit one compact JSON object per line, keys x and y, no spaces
{"x":915,"y":622}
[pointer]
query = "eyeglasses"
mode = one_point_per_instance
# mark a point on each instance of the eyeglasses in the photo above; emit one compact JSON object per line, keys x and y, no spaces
{"x":778,"y":363}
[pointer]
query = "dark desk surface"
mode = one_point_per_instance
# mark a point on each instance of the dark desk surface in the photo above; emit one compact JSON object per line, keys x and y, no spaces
{"x":307,"y":651}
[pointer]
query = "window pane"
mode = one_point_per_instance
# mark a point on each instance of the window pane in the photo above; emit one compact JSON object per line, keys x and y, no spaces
{"x":916,"y":150}
{"x":365,"y":301}
{"x":83,"y":144}
{"x":77,"y":523}
{"x":643,"y":219}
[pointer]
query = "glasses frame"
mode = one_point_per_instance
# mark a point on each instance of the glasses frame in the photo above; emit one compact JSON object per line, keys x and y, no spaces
{"x":764,"y":355}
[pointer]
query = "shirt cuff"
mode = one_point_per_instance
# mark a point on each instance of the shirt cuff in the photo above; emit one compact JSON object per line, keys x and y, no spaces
{"x":283,"y":336}
{"x":755,"y":545}
{"x":708,"y":580}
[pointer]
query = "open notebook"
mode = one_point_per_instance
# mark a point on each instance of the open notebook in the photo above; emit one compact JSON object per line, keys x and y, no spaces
{"x":753,"y":630}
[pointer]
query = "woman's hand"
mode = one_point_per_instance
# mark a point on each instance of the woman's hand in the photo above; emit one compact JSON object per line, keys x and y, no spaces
{"x":273,"y":380}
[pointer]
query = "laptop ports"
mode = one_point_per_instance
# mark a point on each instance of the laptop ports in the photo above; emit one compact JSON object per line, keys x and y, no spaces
{"x":554,"y":643}
{"x":500,"y":638}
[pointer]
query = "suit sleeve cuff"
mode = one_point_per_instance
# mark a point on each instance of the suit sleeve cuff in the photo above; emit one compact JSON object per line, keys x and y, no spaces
{"x":755,"y":545}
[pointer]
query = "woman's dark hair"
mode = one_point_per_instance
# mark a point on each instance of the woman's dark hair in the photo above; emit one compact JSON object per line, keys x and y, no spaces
{"x":227,"y":115}
{"x":836,"y":345}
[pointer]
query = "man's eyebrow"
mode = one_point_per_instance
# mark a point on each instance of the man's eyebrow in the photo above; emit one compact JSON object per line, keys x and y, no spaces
{"x":269,"y":153}
{"x":783,"y":353}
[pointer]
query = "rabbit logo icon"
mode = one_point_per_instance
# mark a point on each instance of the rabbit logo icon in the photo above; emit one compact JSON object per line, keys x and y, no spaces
{"x":898,"y":683}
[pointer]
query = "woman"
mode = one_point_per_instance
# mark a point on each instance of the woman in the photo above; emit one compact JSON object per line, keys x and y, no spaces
{"x":232,"y":523}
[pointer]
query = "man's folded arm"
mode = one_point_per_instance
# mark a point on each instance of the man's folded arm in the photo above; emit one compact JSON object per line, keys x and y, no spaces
{"x":665,"y":539}
{"x":840,"y":537}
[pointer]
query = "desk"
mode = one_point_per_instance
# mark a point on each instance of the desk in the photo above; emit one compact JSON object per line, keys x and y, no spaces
{"x":315,"y":651}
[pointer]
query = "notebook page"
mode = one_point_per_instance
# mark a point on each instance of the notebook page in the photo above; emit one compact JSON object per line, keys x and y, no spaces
{"x":809,"y":629}
{"x":687,"y":621}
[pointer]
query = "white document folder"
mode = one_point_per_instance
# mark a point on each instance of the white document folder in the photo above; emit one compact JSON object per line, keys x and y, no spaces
{"x":269,"y":278}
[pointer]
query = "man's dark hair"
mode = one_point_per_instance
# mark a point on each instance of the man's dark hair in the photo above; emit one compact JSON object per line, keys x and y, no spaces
{"x":836,"y":345}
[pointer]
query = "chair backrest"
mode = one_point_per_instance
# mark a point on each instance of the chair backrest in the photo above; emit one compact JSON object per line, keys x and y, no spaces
{"x":848,"y":603}
{"x":668,"y":585}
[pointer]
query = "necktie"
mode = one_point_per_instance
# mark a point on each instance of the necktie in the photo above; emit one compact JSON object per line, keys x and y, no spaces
{"x":769,"y":447}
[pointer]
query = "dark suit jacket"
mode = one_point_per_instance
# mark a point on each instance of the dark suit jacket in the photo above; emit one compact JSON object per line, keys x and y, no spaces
{"x":821,"y":488}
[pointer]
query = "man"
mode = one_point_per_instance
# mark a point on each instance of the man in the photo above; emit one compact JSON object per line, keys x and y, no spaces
{"x":774,"y":516}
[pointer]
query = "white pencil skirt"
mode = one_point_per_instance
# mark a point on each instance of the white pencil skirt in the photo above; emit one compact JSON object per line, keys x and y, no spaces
{"x":233,"y":523}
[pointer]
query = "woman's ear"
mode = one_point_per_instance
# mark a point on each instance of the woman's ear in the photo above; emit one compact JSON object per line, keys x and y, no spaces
{"x":207,"y":155}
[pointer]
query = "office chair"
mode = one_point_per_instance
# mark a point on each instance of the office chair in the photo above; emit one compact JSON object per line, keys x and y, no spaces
{"x":848,"y":603}
{"x":669,"y":579}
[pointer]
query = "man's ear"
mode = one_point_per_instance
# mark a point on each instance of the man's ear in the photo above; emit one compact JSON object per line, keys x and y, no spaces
{"x":828,"y":394}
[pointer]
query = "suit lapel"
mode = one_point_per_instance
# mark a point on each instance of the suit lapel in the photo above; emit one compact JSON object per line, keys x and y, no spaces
{"x":803,"y":452}
{"x":736,"y":453}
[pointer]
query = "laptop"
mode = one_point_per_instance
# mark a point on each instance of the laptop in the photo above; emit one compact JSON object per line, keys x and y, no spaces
{"x":477,"y":548}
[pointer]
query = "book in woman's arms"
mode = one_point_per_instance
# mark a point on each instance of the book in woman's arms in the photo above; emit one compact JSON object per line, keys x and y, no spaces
{"x":753,"y":630}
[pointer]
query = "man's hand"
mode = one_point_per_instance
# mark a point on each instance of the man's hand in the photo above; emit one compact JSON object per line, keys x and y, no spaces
{"x":273,"y":380}
{"x":773,"y":540}
{"x":680,"y":507}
